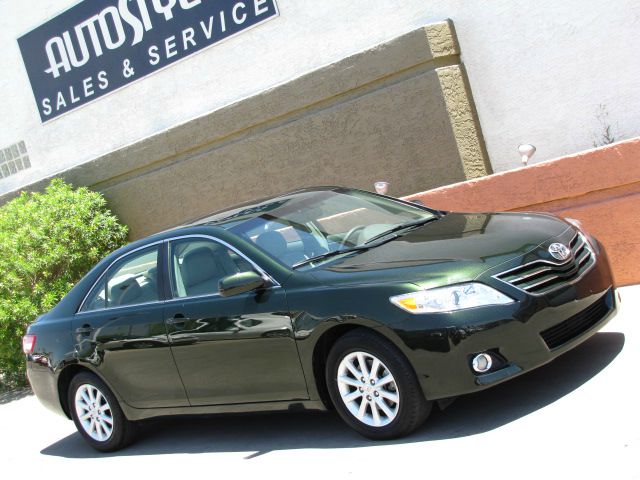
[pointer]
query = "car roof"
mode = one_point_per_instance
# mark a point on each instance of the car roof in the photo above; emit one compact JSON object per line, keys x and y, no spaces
{"x":206,"y":220}
{"x":205,"y":225}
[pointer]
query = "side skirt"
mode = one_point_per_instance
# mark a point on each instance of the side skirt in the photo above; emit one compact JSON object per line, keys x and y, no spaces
{"x":296,"y":406}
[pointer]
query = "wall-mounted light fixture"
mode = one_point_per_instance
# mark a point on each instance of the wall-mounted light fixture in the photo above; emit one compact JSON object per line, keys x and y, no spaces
{"x":381,"y":187}
{"x":526,"y":151}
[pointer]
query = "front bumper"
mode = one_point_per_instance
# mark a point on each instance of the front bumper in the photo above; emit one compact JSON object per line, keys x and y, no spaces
{"x":523,"y":335}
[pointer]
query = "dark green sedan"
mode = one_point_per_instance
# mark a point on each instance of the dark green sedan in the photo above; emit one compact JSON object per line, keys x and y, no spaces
{"x":323,"y":298}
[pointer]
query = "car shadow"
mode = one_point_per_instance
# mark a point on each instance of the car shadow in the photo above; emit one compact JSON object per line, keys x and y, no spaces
{"x":262,"y":433}
{"x":13,"y":395}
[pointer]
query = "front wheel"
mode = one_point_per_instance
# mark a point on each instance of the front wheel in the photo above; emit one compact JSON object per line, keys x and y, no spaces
{"x":373,"y":387}
{"x":97,"y":414}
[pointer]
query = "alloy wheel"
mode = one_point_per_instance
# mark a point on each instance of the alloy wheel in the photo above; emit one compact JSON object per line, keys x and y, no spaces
{"x":368,"y":389}
{"x":94,"y":412}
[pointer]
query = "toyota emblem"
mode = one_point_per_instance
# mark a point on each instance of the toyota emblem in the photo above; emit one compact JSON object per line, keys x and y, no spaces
{"x":559,"y":251}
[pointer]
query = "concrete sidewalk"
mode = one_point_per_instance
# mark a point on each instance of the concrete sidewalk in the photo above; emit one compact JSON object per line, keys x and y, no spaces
{"x":577,"y":417}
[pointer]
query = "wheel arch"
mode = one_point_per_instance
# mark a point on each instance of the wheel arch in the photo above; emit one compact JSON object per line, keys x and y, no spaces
{"x":64,"y":381}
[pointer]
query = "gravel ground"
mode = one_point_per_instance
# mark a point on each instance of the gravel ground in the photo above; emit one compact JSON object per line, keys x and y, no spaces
{"x":577,"y":417}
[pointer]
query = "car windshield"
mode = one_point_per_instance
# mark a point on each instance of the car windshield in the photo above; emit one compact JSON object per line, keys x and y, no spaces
{"x":306,"y":226}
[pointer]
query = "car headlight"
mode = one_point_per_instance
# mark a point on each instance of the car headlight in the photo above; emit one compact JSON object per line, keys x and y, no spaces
{"x":451,"y":298}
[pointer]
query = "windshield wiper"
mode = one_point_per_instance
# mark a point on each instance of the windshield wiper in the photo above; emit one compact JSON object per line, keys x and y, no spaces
{"x":357,"y":248}
{"x":373,"y":242}
{"x":402,"y":226}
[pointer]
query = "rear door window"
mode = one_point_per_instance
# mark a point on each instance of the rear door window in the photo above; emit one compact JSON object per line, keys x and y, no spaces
{"x":131,"y":281}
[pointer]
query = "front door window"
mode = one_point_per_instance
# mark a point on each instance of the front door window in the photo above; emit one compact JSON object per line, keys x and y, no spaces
{"x":198,"y":265}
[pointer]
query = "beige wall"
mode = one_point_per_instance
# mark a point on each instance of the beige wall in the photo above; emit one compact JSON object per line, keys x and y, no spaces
{"x":401,"y":112}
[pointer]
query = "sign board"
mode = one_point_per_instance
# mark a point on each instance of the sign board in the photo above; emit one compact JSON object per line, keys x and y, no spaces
{"x":99,"y":46}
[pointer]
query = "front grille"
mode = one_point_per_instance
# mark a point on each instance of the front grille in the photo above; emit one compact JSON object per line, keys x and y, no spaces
{"x":543,"y":276}
{"x":566,"y":331}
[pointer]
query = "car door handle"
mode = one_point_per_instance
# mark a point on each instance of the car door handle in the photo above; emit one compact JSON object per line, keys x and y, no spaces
{"x":177,"y":318}
{"x":84,"y":330}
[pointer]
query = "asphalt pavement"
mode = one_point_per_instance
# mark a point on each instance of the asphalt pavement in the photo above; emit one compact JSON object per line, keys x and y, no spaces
{"x":577,"y":417}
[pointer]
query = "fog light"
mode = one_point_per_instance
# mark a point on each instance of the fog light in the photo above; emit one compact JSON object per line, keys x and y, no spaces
{"x":482,"y":362}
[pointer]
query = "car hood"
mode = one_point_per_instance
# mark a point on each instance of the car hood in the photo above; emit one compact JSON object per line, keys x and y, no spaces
{"x":455,"y":248}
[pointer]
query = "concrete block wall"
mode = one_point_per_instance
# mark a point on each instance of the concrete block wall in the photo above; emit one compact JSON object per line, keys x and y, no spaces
{"x":401,"y":111}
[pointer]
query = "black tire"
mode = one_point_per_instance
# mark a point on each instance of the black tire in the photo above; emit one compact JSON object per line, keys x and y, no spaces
{"x":411,"y":409}
{"x":122,"y":432}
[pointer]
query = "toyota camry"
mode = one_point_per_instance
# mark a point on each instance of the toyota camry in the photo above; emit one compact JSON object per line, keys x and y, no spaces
{"x":322,"y":298}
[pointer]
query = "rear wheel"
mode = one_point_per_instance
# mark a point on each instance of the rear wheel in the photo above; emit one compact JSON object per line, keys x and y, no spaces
{"x":97,"y":414}
{"x":373,"y":386}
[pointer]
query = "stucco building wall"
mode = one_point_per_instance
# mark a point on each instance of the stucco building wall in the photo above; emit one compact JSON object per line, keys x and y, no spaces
{"x":551,"y":73}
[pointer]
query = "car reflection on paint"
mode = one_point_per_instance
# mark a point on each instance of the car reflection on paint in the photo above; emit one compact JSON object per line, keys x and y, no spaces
{"x":322,"y":298}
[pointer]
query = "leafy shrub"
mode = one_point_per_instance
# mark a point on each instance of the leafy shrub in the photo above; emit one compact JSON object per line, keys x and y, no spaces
{"x":48,"y":241}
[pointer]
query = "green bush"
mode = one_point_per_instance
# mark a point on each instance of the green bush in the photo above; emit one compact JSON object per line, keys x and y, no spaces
{"x":48,"y":241}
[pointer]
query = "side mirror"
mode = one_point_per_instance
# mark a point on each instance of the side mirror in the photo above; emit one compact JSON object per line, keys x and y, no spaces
{"x":238,"y":283}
